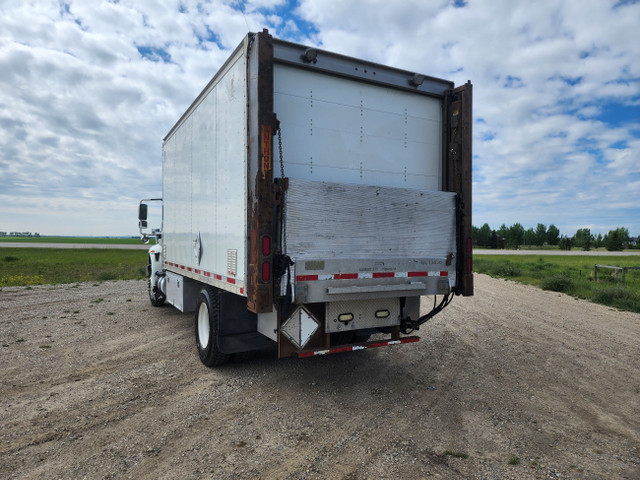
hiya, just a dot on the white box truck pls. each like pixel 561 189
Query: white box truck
pixel 309 200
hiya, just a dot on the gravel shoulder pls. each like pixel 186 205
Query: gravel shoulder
pixel 96 383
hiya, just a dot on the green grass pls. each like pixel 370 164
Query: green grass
pixel 451 453
pixel 39 266
pixel 87 240
pixel 572 275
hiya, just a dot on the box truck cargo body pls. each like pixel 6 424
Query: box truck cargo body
pixel 309 201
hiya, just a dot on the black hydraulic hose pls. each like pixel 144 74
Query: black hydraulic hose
pixel 408 326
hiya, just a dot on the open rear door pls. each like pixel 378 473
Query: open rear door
pixel 457 178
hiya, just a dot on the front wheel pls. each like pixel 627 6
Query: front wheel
pixel 207 321
pixel 156 297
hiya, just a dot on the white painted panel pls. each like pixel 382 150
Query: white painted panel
pixel 340 130
pixel 204 178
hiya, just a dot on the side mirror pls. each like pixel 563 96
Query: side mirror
pixel 142 213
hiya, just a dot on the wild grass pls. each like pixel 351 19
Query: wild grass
pixel 88 240
pixel 39 266
pixel 455 454
pixel 572 275
pixel 514 460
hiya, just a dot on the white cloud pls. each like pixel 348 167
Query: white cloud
pixel 541 74
pixel 88 90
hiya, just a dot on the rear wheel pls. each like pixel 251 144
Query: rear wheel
pixel 207 322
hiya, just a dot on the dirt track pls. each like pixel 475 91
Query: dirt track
pixel 98 384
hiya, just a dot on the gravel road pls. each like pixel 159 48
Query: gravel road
pixel 96 383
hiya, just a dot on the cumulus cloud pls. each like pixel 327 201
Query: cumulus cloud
pixel 542 74
pixel 88 90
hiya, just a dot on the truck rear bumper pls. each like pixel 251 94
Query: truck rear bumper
pixel 335 280
pixel 359 346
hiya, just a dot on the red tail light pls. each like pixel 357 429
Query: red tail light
pixel 266 245
pixel 266 271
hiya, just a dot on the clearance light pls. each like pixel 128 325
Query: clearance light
pixel 382 313
pixel 345 317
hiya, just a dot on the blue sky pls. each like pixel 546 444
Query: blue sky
pixel 89 89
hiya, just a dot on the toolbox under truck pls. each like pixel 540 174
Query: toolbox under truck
pixel 309 200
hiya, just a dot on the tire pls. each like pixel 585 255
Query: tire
pixel 206 322
pixel 157 298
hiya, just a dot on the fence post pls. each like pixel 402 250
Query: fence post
pixel 595 273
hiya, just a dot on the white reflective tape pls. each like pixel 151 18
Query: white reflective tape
pixel 402 274
pixel 325 277
pixel 393 342
pixel 359 347
pixel 365 275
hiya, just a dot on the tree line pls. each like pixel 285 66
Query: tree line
pixel 515 236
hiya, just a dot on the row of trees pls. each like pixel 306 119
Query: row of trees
pixel 614 240
pixel 516 235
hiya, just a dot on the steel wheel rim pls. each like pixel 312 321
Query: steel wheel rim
pixel 203 326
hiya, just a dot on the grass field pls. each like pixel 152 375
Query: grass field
pixel 569 274
pixel 572 275
pixel 88 240
pixel 39 266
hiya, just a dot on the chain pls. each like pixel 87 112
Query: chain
pixel 283 228
pixel 280 151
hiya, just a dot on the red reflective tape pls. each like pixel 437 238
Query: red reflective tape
pixel 444 274
pixel 204 273
pixel 418 274
pixel 410 340
pixel 306 278
pixel 384 275
pixel 354 348
pixel 341 349
pixel 345 276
